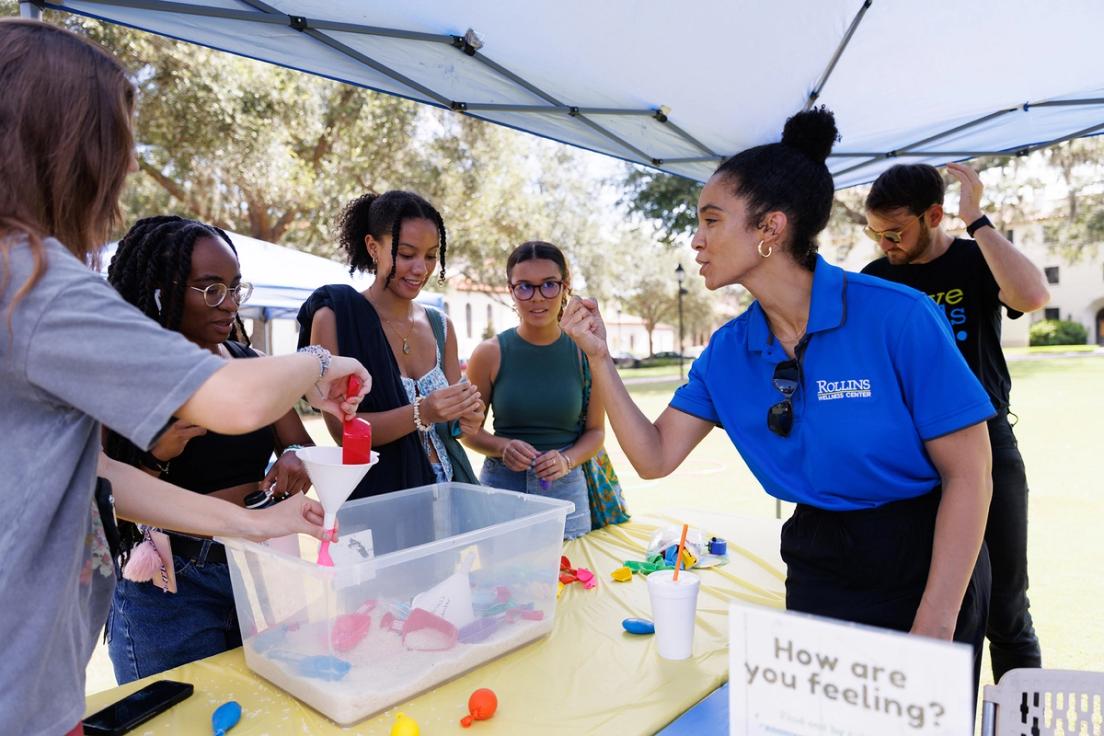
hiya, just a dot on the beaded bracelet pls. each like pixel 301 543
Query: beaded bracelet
pixel 323 356
pixel 418 416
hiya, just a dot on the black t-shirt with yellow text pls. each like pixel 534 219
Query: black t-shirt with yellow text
pixel 962 286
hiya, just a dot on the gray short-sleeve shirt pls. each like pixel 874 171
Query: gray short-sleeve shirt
pixel 76 356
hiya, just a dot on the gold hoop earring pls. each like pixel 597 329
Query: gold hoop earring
pixel 770 249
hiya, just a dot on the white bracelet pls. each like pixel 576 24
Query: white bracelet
pixel 323 356
pixel 418 416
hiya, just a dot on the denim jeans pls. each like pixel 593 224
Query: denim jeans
pixel 572 487
pixel 150 631
pixel 1011 633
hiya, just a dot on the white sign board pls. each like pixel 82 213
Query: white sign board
pixel 792 674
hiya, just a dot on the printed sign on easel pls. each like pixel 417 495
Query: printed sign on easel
pixel 791 674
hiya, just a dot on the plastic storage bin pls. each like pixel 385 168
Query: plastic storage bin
pixel 449 576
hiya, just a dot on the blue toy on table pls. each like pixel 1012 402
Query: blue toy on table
pixel 639 626
pixel 225 717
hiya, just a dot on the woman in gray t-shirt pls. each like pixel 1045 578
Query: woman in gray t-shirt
pixel 74 356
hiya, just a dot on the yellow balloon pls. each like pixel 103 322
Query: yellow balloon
pixel 404 726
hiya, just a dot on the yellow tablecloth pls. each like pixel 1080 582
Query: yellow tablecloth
pixel 588 676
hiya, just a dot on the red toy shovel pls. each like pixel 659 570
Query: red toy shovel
pixel 356 441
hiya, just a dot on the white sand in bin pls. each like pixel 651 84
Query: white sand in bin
pixel 384 672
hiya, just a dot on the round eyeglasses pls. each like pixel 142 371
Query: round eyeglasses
pixel 216 294
pixel 524 291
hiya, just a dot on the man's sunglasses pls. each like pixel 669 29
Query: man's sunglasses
pixel 524 291
pixel 893 236
pixel 787 379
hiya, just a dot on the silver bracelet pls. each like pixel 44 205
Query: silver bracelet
pixel 418 416
pixel 323 356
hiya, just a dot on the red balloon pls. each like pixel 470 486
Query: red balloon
pixel 481 705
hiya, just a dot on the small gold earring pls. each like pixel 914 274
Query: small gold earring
pixel 770 249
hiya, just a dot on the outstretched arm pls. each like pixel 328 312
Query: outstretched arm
pixel 654 449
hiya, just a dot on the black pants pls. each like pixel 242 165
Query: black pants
pixel 1012 639
pixel 871 567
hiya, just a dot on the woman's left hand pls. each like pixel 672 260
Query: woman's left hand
pixel 551 465
pixel 472 422
pixel 287 475
pixel 934 624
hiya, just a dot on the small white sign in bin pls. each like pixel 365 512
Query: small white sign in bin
pixel 799 675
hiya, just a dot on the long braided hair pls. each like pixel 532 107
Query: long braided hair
pixel 150 270
pixel 376 214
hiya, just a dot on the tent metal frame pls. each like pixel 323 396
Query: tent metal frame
pixel 471 46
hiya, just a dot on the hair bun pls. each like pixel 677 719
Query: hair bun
pixel 812 132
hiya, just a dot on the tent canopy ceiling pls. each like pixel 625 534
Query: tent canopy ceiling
pixel 679 86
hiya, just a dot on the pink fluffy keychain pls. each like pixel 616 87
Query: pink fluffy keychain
pixel 145 562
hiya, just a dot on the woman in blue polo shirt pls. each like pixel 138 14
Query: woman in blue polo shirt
pixel 844 394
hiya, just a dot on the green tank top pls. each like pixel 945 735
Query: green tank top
pixel 538 393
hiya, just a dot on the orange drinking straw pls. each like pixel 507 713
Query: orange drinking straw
pixel 682 548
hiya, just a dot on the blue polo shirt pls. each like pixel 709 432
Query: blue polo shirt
pixel 880 376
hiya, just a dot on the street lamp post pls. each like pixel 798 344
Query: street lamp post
pixel 680 276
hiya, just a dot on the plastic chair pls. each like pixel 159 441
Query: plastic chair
pixel 1038 702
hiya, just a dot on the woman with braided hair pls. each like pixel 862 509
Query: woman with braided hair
pixel 185 275
pixel 74 356
pixel 418 405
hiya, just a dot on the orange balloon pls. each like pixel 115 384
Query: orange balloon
pixel 481 705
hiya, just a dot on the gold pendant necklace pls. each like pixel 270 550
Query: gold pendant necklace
pixel 406 337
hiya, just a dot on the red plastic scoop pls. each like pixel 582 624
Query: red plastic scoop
pixel 356 441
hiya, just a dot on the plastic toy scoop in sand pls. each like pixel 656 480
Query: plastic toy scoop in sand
pixel 356 440
pixel 481 705
pixel 334 482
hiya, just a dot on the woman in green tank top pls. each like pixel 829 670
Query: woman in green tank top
pixel 533 376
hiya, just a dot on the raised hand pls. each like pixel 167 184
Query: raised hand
pixel 969 200
pixel 583 323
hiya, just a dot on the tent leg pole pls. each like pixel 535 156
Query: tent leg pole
pixel 29 10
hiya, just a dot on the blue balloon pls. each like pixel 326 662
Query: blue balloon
pixel 639 626
pixel 225 717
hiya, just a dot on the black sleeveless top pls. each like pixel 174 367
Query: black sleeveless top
pixel 215 461
pixel 402 463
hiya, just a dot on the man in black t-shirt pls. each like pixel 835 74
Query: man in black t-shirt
pixel 971 280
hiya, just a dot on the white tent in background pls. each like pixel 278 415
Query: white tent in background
pixel 678 86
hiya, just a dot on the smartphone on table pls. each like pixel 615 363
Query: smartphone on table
pixel 137 708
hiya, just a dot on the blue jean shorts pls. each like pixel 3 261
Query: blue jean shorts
pixel 572 487
pixel 150 631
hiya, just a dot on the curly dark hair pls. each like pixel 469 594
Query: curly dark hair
pixel 379 214
pixel 156 255
pixel 790 176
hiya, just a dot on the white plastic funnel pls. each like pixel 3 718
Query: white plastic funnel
pixel 333 481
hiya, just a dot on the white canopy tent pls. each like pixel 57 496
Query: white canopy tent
pixel 678 86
